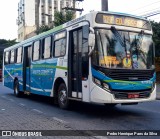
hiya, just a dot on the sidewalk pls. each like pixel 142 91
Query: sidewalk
pixel 158 91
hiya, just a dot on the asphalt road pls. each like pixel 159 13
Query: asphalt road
pixel 38 113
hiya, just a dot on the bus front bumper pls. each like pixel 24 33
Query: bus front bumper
pixel 100 95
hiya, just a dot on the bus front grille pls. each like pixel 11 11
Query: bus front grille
pixel 130 75
pixel 126 74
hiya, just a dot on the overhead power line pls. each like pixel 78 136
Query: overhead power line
pixel 145 6
pixel 151 14
pixel 146 12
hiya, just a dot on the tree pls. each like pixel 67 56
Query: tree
pixel 156 37
pixel 42 28
pixel 5 43
pixel 61 18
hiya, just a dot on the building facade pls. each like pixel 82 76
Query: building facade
pixel 34 13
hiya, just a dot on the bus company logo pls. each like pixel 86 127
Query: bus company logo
pixel 6 133
pixel 127 62
pixel 133 78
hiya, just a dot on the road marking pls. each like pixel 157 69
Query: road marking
pixel 21 104
pixel 2 109
pixel 95 135
pixel 3 96
pixel 59 120
pixel 11 100
pixel 100 137
pixel 38 111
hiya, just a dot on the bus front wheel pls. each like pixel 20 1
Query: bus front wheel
pixel 62 96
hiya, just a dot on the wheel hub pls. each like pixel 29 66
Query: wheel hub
pixel 63 96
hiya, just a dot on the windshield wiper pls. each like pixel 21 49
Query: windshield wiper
pixel 140 38
pixel 119 37
pixel 138 41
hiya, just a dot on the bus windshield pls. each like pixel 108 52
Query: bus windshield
pixel 123 49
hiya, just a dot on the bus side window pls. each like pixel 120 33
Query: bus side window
pixel 6 59
pixel 19 55
pixel 85 50
pixel 36 50
pixel 15 55
pixel 59 48
pixel 47 47
pixel 12 57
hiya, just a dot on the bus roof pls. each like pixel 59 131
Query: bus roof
pixel 66 24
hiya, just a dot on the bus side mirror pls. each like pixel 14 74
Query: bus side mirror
pixel 91 41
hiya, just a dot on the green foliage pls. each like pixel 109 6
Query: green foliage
pixel 5 43
pixel 61 18
pixel 156 37
pixel 42 28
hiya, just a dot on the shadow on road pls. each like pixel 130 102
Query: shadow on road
pixel 88 109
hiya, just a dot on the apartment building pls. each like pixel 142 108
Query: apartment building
pixel 34 13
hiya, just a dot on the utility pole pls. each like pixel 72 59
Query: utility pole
pixel 37 5
pixel 104 5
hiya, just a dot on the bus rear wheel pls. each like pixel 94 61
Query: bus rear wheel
pixel 17 93
pixel 62 96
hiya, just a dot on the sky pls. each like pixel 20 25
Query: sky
pixel 8 12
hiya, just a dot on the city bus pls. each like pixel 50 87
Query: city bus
pixel 101 57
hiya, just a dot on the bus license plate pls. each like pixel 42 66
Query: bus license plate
pixel 133 95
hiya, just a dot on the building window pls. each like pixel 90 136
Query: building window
pixel 50 2
pixel 43 2
pixel 36 50
pixel 55 5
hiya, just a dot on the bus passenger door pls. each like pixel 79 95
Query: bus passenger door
pixel 78 63
pixel 26 68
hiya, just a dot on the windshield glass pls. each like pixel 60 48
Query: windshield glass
pixel 122 49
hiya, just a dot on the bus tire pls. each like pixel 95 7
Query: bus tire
pixel 17 93
pixel 62 96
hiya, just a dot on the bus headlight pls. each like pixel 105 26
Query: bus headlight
pixel 105 86
pixel 98 82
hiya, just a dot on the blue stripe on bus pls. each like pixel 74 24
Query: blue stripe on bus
pixel 124 85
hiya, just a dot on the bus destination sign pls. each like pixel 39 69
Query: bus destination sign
pixel 123 21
